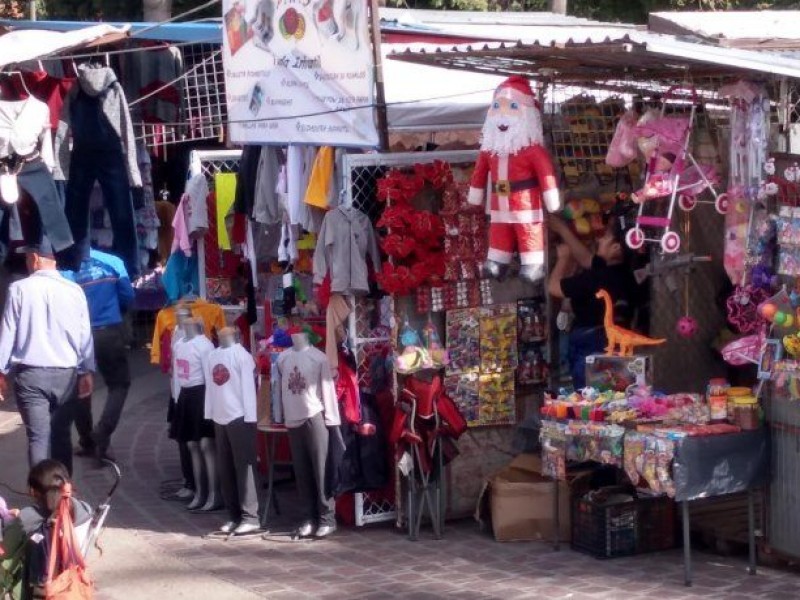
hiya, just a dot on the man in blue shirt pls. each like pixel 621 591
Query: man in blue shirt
pixel 109 293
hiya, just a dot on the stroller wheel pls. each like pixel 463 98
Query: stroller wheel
pixel 635 238
pixel 687 202
pixel 722 204
pixel 670 242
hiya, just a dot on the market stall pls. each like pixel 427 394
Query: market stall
pixel 709 148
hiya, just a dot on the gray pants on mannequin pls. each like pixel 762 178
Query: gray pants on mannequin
pixel 237 460
pixel 309 444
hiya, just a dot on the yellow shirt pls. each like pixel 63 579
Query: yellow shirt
pixel 212 315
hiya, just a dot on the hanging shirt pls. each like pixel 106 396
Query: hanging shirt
pixel 230 385
pixel 25 128
pixel 188 359
pixel 211 314
pixel 345 241
pixel 306 388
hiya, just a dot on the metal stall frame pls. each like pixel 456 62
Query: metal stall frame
pixel 357 170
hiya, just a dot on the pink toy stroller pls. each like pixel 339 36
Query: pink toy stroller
pixel 673 173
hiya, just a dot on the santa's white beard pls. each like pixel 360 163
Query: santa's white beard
pixel 522 132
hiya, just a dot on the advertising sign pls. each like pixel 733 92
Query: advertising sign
pixel 299 72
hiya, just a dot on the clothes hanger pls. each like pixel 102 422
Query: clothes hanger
pixel 21 79
pixel 189 296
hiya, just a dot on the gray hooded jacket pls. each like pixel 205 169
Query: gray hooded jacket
pixel 98 82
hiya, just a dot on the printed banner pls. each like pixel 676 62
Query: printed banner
pixel 299 72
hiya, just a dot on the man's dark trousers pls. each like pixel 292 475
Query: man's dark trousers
pixel 111 354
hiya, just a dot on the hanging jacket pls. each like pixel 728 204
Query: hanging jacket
pixel 267 206
pixel 96 113
pixel 345 241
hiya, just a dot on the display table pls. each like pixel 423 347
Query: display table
pixel 708 467
pixel 271 432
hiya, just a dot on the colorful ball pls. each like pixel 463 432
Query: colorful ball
pixel 780 318
pixel 768 311
pixel 687 327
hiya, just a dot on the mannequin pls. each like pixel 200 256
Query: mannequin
pixel 189 425
pixel 230 402
pixel 308 407
pixel 182 314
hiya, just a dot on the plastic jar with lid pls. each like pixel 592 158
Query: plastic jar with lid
pixel 746 412
pixel 733 393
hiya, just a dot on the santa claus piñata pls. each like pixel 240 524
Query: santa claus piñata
pixel 522 177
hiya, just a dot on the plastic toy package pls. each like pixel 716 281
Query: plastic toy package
pixel 498 338
pixel 497 399
pixel 463 340
pixel 463 389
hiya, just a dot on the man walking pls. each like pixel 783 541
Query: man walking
pixel 109 292
pixel 46 339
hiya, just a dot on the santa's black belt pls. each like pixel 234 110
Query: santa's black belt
pixel 509 187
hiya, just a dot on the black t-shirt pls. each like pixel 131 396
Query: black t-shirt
pixel 617 280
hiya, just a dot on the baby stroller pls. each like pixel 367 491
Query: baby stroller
pixel 23 562
pixel 672 172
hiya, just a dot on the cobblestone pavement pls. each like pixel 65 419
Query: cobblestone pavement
pixel 372 562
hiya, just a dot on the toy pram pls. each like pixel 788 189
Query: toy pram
pixel 21 560
pixel 673 173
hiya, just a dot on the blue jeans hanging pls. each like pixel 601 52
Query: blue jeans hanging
pixel 107 167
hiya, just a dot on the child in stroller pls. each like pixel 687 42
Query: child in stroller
pixel 25 533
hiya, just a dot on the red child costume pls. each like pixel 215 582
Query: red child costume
pixel 523 178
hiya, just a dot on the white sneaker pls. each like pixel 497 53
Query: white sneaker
pixel 228 527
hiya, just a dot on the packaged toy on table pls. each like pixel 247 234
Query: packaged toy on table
pixel 618 372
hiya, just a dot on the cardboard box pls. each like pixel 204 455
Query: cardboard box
pixel 519 502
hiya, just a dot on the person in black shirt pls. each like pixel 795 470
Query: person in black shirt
pixel 577 276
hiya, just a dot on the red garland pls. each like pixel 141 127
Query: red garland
pixel 414 238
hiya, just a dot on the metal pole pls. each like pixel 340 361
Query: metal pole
pixel 751 531
pixel 687 545
pixel 558 6
pixel 380 93
pixel 32 9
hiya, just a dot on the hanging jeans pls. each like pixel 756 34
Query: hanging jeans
pixel 106 166
pixel 48 216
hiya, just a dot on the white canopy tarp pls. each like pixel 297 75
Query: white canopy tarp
pixel 31 44
pixel 422 98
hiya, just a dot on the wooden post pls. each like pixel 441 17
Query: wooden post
pixel 380 93
pixel 558 6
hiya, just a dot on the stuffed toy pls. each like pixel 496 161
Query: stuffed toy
pixel 523 178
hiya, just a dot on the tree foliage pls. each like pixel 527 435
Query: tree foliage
pixel 631 11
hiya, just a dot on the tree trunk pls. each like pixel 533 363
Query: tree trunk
pixel 558 6
pixel 157 10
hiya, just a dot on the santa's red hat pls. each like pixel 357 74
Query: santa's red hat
pixel 517 88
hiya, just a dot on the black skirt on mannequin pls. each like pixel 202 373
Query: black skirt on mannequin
pixel 188 421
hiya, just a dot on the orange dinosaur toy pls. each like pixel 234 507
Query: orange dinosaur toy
pixel 619 337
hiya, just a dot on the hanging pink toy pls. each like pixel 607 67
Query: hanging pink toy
pixel 687 327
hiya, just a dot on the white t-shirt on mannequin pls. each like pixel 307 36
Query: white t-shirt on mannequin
pixel 188 360
pixel 306 387
pixel 230 385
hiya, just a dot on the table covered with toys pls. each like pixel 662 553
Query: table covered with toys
pixel 666 448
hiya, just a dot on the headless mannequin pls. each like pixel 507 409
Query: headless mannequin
pixel 300 341
pixel 183 314
pixel 309 437
pixel 241 464
pixel 228 337
pixel 204 465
